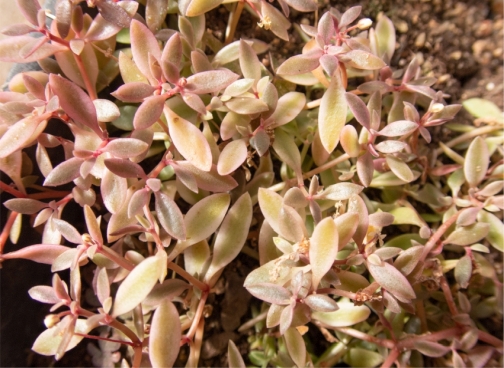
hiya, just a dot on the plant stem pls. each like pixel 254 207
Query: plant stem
pixel 197 317
pixel 7 188
pixel 49 194
pixel 438 234
pixel 6 230
pixel 103 339
pixel 85 77
pixel 186 275
pixel 364 336
pixel 489 339
pixel 469 135
pixel 278 187
pixel 392 357
pixel 114 257
pixel 448 296
pixel 250 323
pixel 234 17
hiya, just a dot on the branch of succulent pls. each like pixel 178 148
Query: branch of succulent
pixel 367 227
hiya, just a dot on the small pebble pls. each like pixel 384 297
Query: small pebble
pixel 420 40
pixel 401 26
pixel 490 86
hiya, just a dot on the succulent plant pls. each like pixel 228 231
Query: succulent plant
pixel 359 214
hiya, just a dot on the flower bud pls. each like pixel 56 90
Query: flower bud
pixel 51 320
pixel 437 107
pixel 364 24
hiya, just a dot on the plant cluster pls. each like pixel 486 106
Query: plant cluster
pixel 365 226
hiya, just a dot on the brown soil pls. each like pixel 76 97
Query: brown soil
pixel 460 43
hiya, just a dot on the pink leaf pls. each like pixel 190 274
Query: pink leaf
pixel 41 253
pixel 124 168
pixel 359 109
pixel 25 205
pixel 138 200
pixel 300 64
pixel 29 9
pixel 65 172
pixel 169 216
pixel 288 107
pixel 392 280
pixel 19 135
pixel 75 102
pixel 362 60
pixel 133 92
pixel 399 128
pixel 349 16
pixel 143 43
pixel 44 294
pixel 149 112
pixel 210 180
pixel 271 293
pixel 211 81
pixel 126 147
pixel 69 232
pixel 114 14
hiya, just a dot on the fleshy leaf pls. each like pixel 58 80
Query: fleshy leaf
pixel 65 172
pixel 476 161
pixel 48 342
pixel 323 249
pixel 137 285
pixel 332 113
pixel 205 216
pixel 210 180
pixel 149 112
pixel 165 335
pixel 321 303
pixel 468 235
pixel 169 216
pixel 392 280
pixel 126 147
pixel 235 359
pixel 41 253
pixel 295 346
pixel 463 271
pixel 232 235
pixel 271 293
pixel 143 43
pixel 348 314
pixel 232 157
pixel 431 349
pixel 211 81
pixel 76 103
pixel 113 190
pixel 288 107
pixel 190 141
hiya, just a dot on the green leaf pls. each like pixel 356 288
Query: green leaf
pixel 232 157
pixel 358 357
pixel 137 285
pixel 288 107
pixel 468 235
pixel 165 335
pixel 332 113
pixel 400 168
pixel 232 235
pixel 476 161
pixel 198 7
pixel 348 314
pixel 495 234
pixel 323 249
pixel 481 108
pixel 287 150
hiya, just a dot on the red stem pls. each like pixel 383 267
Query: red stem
pixel 7 188
pixel 197 317
pixel 104 339
pixel 438 234
pixel 392 357
pixel 6 230
pixel 85 77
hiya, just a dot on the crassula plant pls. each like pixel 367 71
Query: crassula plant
pixel 363 223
